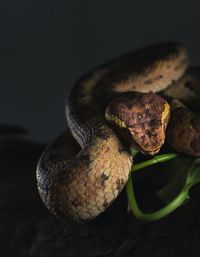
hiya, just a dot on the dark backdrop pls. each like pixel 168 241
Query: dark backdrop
pixel 46 45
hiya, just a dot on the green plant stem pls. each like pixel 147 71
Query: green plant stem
pixel 156 159
pixel 174 204
pixel 179 200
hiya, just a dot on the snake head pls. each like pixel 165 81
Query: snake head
pixel 141 118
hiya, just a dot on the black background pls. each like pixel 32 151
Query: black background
pixel 46 45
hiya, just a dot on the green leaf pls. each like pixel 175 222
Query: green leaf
pixel 183 172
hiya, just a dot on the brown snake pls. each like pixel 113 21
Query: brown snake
pixel 83 183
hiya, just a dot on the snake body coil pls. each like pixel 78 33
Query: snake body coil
pixel 83 183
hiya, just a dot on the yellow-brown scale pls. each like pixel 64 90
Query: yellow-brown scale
pixel 89 193
pixel 106 165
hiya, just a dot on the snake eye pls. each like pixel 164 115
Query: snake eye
pixel 141 118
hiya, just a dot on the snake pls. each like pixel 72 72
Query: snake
pixel 138 99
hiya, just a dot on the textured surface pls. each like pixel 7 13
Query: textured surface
pixel 90 192
pixel 187 88
pixel 183 131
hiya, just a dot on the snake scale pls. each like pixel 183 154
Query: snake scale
pixel 82 177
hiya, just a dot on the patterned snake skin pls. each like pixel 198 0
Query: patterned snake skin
pixel 82 178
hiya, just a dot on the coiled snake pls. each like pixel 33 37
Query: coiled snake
pixel 83 183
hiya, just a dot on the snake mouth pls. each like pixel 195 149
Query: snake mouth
pixel 150 149
pixel 151 152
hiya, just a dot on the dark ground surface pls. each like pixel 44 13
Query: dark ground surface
pixel 27 229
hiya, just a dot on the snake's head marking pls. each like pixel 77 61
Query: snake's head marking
pixel 143 116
